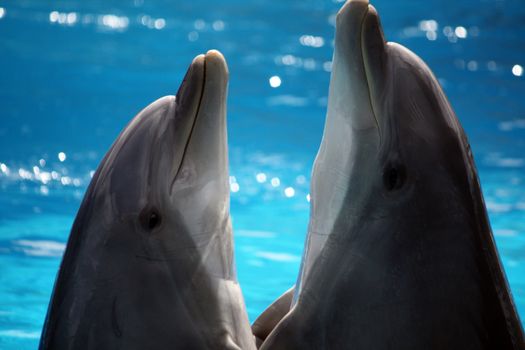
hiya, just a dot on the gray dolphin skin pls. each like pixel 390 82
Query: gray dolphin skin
pixel 399 252
pixel 266 322
pixel 149 262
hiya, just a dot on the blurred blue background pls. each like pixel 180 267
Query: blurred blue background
pixel 73 73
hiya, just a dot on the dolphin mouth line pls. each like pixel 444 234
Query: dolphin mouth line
pixel 186 145
pixel 366 66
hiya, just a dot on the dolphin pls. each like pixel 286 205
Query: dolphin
pixel 149 261
pixel 399 252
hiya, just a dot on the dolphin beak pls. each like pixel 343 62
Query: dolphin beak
pixel 201 189
pixel 200 117
pixel 205 152
pixel 349 89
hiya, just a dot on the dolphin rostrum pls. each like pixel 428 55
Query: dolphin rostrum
pixel 149 261
pixel 399 252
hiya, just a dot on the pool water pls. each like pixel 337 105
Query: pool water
pixel 73 73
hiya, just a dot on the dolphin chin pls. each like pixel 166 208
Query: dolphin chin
pixel 149 260
pixel 399 252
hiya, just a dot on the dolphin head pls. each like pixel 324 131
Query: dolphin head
pixel 149 262
pixel 168 170
pixel 389 135
pixel 389 127
pixel 419 158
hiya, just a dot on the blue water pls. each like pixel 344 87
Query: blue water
pixel 73 73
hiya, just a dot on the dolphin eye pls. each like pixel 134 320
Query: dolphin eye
pixel 150 219
pixel 394 177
